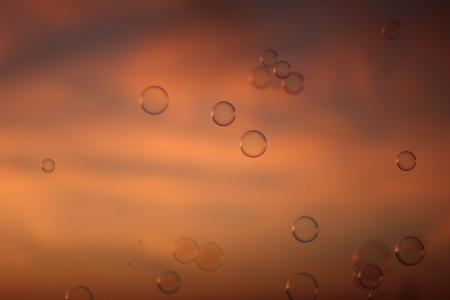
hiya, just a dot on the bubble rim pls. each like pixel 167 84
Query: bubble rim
pixel 308 275
pixel 169 272
pixel 305 240
pixel 294 73
pixel 396 23
pixel 222 257
pixel 361 282
pixel 43 165
pixel 397 250
pixel 264 138
pixel 196 246
pixel 275 69
pixel 220 103
pixel 261 58
pixel 397 160
pixel 141 100
pixel 69 292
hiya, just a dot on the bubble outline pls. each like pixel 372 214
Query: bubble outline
pixel 170 272
pixel 141 100
pixel 305 240
pixel 222 256
pixel 264 138
pixel 360 279
pixel 397 250
pixel 314 280
pixel 397 160
pixel 234 113
pixel 43 164
pixel 196 246
pixel 69 292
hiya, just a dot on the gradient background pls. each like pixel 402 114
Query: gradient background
pixel 70 77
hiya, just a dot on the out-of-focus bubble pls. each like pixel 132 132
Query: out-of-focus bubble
pixel 79 293
pixel 223 113
pixel 154 100
pixel 305 229
pixel 302 286
pixel 391 29
pixel 168 282
pixel 372 252
pixel 377 294
pixel 370 276
pixel 269 58
pixel 210 257
pixel 406 160
pixel 294 84
pixel 410 250
pixel 185 250
pixel 253 143
pixel 282 69
pixel 130 263
pixel 261 77
pixel 48 165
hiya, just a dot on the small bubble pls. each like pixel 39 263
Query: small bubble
pixel 130 263
pixel 261 77
pixel 406 161
pixel 410 250
pixel 302 286
pixel 294 83
pixel 168 282
pixel 282 69
pixel 269 58
pixel 372 252
pixel 370 276
pixel 253 143
pixel 210 257
pixel 154 100
pixel 79 293
pixel 185 250
pixel 48 165
pixel 305 229
pixel 223 113
pixel 391 29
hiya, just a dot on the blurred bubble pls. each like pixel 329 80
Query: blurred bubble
pixel 377 294
pixel 302 286
pixel 294 83
pixel 253 143
pixel 305 229
pixel 261 77
pixel 391 29
pixel 168 282
pixel 130 263
pixel 370 276
pixel 282 69
pixel 79 293
pixel 48 165
pixel 406 161
pixel 372 252
pixel 223 113
pixel 269 58
pixel 154 100
pixel 185 250
pixel 210 257
pixel 410 250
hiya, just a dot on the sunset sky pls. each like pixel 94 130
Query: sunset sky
pixel 71 73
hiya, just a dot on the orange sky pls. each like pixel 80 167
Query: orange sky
pixel 70 79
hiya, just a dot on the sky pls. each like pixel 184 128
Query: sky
pixel 128 184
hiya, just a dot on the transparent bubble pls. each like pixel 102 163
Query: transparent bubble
pixel 370 276
pixel 223 113
pixel 168 282
pixel 269 58
pixel 282 69
pixel 372 252
pixel 406 161
pixel 79 293
pixel 185 250
pixel 391 29
pixel 154 100
pixel 294 83
pixel 377 294
pixel 253 143
pixel 210 257
pixel 302 286
pixel 48 165
pixel 261 77
pixel 410 250
pixel 305 229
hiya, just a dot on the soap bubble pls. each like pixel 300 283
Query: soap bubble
pixel 48 165
pixel 261 77
pixel 210 257
pixel 410 250
pixel 305 229
pixel 302 286
pixel 370 276
pixel 269 58
pixel 168 282
pixel 294 83
pixel 282 69
pixel 253 143
pixel 391 29
pixel 406 161
pixel 79 293
pixel 154 100
pixel 185 250
pixel 223 113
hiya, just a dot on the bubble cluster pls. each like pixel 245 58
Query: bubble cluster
pixel 406 160
pixel 210 257
pixel 185 250
pixel 223 113
pixel 154 100
pixel 302 286
pixel 305 229
pixel 370 276
pixel 253 143
pixel 410 250
pixel 391 29
pixel 48 165
pixel 79 293
pixel 168 282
